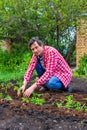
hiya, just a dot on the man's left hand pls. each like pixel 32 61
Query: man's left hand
pixel 29 91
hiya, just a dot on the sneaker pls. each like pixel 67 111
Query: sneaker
pixel 43 88
pixel 68 89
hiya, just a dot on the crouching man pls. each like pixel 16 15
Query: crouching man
pixel 51 67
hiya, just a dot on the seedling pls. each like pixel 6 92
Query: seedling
pixel 9 84
pixel 69 101
pixel 26 100
pixel 71 104
pixel 8 97
pixel 36 95
pixel 2 84
pixel 77 106
pixel 85 108
pixel 37 100
pixel 59 105
pixel 1 95
pixel 16 88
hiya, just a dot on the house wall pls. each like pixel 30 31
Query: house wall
pixel 81 40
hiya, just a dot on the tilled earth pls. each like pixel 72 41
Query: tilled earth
pixel 16 115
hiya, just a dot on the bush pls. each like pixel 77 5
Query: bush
pixel 82 69
pixel 16 60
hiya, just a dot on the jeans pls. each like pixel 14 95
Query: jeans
pixel 53 83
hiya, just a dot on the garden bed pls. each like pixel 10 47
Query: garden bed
pixel 54 114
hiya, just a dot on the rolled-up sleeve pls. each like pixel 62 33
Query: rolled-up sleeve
pixel 30 69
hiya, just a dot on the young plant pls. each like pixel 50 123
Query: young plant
pixel 16 88
pixel 8 97
pixel 1 95
pixel 26 100
pixel 85 108
pixel 36 95
pixel 77 106
pixel 59 105
pixel 69 101
pixel 37 100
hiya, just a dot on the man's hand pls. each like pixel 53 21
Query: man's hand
pixel 29 91
pixel 22 89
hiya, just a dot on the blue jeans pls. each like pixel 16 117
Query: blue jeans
pixel 53 83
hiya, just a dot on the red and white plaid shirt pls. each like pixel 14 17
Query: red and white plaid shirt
pixel 54 64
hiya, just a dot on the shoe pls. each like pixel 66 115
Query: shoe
pixel 43 88
pixel 68 89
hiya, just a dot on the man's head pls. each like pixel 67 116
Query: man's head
pixel 36 46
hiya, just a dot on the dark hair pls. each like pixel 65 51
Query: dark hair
pixel 33 40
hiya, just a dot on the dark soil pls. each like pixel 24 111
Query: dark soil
pixel 16 115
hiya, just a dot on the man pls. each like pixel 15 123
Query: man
pixel 52 69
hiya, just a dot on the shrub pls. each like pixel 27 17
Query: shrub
pixel 82 69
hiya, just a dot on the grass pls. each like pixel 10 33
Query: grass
pixel 7 76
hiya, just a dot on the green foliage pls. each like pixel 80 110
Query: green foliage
pixel 16 88
pixel 26 100
pixel 82 69
pixel 20 20
pixel 1 95
pixel 35 99
pixel 7 76
pixel 75 74
pixel 69 103
pixel 59 105
pixel 38 101
pixel 4 94
pixel 85 108
pixel 15 60
pixel 36 95
pixel 8 97
pixel 14 64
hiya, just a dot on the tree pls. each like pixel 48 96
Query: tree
pixel 48 19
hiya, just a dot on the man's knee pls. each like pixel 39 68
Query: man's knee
pixel 54 83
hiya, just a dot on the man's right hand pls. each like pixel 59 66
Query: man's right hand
pixel 22 89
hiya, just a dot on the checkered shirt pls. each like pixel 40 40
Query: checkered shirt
pixel 54 64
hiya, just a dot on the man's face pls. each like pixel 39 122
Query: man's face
pixel 37 49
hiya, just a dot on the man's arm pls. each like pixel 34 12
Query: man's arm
pixel 28 74
pixel 30 69
pixel 30 90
